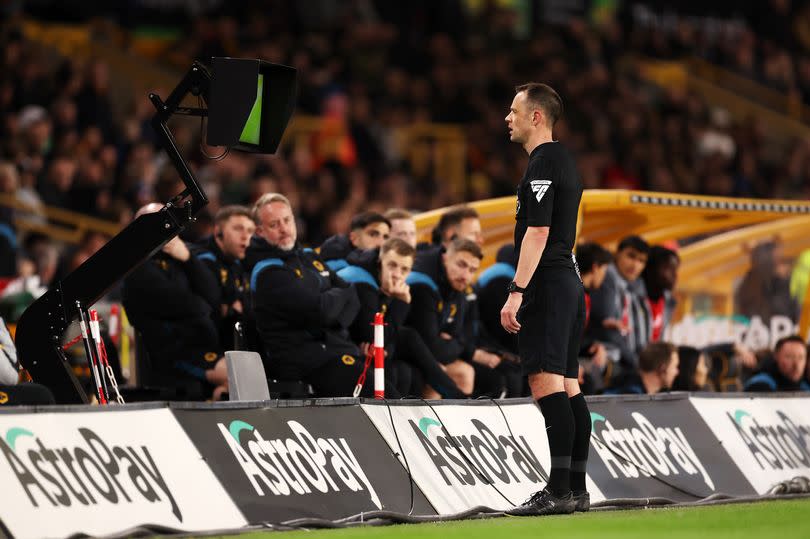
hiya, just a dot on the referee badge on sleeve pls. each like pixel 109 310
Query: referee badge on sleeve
pixel 539 187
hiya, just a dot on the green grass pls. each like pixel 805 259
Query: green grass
pixel 779 519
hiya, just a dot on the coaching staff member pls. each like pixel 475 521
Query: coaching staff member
pixel 303 310
pixel 546 303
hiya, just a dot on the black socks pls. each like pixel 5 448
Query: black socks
pixel 582 441
pixel 559 418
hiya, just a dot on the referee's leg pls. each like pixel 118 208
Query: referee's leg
pixel 579 408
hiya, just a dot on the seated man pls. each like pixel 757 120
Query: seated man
pixel 169 299
pixel 438 306
pixel 403 225
pixel 456 222
pixel 784 371
pixel 657 370
pixel 595 370
pixel 223 254
pixel 368 230
pixel 616 311
pixel 485 304
pixel 379 276
pixel 302 309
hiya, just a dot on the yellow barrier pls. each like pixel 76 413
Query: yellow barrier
pixel 710 267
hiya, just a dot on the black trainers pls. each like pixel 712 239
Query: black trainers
pixel 544 502
pixel 582 500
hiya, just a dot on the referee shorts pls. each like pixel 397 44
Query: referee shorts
pixel 552 319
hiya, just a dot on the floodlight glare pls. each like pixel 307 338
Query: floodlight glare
pixel 249 104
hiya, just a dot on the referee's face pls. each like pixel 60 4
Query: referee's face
pixel 519 119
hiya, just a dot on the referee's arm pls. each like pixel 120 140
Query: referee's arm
pixel 531 250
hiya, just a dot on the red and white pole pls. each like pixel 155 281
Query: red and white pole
pixel 379 356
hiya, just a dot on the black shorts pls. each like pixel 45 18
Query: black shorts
pixel 552 319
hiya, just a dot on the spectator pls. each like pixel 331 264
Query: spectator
pixel 615 317
pixel 302 309
pixel 223 254
pixel 402 225
pixel 693 371
pixel 368 230
pixel 593 261
pixel 169 299
pixel 659 278
pixel 438 306
pixel 657 370
pixel 763 292
pixel 784 371
pixel 379 275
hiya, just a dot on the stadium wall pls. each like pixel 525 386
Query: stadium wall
pixel 203 467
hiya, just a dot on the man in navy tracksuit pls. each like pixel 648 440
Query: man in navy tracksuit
pixel 368 230
pixel 223 253
pixel 302 309
pixel 439 285
pixel 379 277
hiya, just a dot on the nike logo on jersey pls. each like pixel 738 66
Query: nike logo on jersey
pixel 540 187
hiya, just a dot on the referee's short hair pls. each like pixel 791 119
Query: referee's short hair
pixel 634 242
pixel 467 246
pixel 544 97
pixel 655 356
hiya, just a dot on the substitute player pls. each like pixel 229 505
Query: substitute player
pixel 546 303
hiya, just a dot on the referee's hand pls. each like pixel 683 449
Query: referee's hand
pixel 509 313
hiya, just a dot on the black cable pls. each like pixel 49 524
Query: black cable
pixel 219 157
pixel 626 460
pixel 466 458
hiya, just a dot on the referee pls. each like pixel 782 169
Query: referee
pixel 548 298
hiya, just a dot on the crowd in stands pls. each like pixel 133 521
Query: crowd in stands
pixel 366 70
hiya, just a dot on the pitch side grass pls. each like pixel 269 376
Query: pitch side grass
pixel 780 519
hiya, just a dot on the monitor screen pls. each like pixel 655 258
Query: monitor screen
pixel 251 133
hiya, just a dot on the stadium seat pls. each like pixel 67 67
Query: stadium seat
pixel 246 378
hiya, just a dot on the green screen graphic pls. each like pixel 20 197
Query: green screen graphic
pixel 252 130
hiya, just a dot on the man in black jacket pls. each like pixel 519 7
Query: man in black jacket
pixel 302 309
pixel 169 299
pixel 784 371
pixel 438 306
pixel 223 254
pixel 379 276
pixel 368 230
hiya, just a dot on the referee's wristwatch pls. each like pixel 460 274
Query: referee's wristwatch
pixel 513 287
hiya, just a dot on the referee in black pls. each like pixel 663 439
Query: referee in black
pixel 546 303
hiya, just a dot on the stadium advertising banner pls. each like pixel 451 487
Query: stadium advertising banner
pixel 646 448
pixel 103 472
pixel 769 438
pixel 463 456
pixel 316 461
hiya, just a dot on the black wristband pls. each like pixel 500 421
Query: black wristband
pixel 513 287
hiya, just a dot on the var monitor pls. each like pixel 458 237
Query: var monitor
pixel 249 104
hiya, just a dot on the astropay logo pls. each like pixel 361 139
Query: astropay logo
pixel 299 465
pixel 774 445
pixel 92 473
pixel 480 456
pixel 645 450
